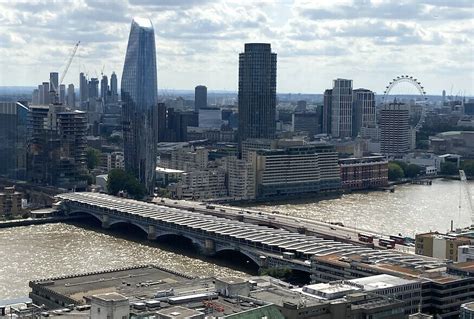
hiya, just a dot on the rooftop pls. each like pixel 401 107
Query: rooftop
pixel 380 282
pixel 143 22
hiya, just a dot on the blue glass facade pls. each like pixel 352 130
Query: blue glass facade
pixel 139 90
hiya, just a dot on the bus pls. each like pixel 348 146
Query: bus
pixel 366 238
pixel 388 243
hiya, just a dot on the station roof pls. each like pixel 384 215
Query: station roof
pixel 264 238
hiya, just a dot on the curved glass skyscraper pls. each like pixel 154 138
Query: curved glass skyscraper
pixel 139 92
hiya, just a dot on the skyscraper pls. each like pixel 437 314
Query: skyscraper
pixel 327 106
pixel 46 96
pixel 113 88
pixel 71 96
pixel 62 94
pixel 40 94
pixel 395 128
pixel 200 97
pixel 83 90
pixel 257 91
pixel 341 108
pixel 139 94
pixel 104 88
pixel 13 134
pixel 54 82
pixel 363 112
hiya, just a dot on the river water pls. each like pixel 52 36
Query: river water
pixel 42 251
pixel 409 210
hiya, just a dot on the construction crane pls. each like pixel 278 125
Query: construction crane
pixel 462 176
pixel 63 74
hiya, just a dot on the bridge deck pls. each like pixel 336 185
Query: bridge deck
pixel 232 231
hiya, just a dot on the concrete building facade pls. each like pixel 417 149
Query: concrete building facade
pixel 257 92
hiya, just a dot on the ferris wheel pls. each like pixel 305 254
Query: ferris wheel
pixel 419 90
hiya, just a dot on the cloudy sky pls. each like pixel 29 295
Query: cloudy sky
pixel 198 41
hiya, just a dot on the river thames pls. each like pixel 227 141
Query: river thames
pixel 42 251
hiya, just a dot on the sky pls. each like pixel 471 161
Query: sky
pixel 198 41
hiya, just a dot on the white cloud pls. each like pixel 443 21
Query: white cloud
pixel 198 41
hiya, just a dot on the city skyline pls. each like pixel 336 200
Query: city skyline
pixel 198 41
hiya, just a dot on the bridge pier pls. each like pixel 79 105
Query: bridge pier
pixel 105 221
pixel 209 248
pixel 152 235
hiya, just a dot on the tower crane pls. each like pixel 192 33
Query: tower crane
pixel 66 68
pixel 462 176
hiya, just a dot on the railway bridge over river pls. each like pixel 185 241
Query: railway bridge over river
pixel 265 246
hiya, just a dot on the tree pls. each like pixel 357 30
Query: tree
pixel 468 167
pixel 402 165
pixel 412 170
pixel 119 180
pixel 449 168
pixel 92 157
pixel 116 181
pixel 395 171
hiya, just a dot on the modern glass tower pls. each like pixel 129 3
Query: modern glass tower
pixel 257 91
pixel 139 91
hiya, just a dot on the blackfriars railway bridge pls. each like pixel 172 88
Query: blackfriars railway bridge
pixel 265 246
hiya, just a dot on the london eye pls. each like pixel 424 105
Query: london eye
pixel 414 89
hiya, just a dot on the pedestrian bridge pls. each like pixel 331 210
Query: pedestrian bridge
pixel 267 247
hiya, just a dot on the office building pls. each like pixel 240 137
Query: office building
pixel 257 92
pixel 13 134
pixel 394 129
pixel 297 170
pixel 363 112
pixel 441 246
pixel 113 88
pixel 200 97
pixel 139 90
pixel 71 96
pixel 301 106
pixel 54 82
pixel 56 150
pixel 306 122
pixel 104 88
pixel 83 91
pixel 364 173
pixel 327 111
pixel 341 108
pixel 210 118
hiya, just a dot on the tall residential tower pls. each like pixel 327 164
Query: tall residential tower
pixel 341 108
pixel 257 91
pixel 139 93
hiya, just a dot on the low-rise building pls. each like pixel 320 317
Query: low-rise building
pixel 109 161
pixel 109 306
pixel 441 246
pixel 458 142
pixel 200 184
pixel 465 253
pixel 364 173
pixel 240 178
pixel 467 310
pixel 10 202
